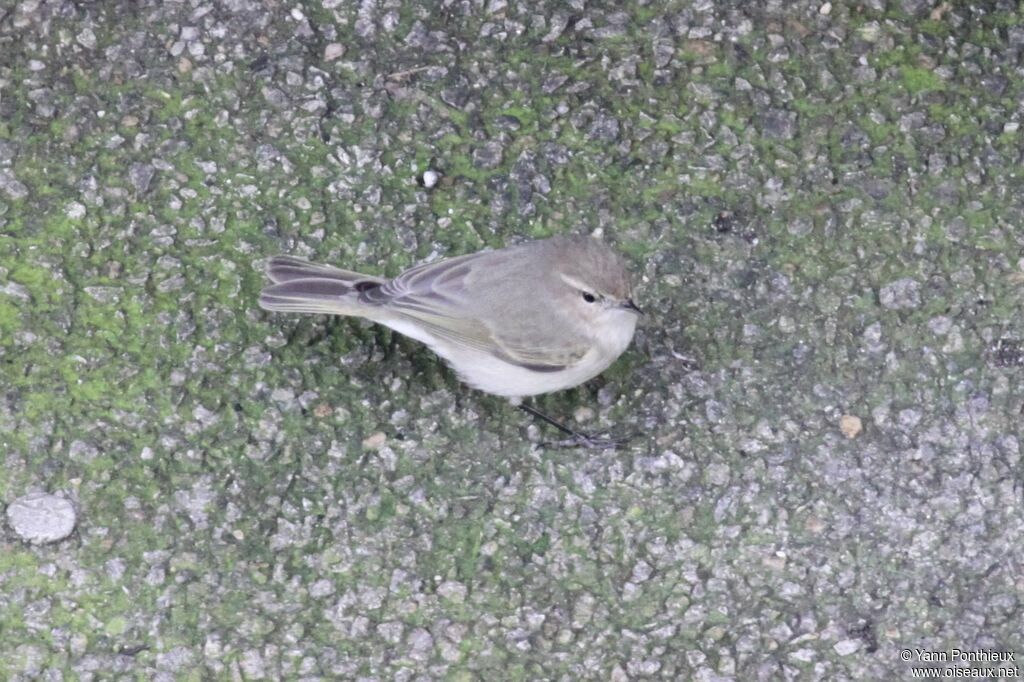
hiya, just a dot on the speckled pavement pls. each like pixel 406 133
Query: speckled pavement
pixel 824 208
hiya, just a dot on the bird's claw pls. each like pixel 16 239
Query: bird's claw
pixel 583 440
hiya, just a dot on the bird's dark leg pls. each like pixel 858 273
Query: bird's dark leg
pixel 576 439
pixel 544 418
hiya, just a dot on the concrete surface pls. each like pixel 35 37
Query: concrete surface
pixel 823 202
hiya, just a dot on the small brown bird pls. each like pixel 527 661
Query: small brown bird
pixel 525 320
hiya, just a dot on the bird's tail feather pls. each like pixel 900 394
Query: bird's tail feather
pixel 286 268
pixel 304 287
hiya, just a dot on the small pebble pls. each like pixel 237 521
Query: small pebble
pixel 375 441
pixel 583 414
pixel 850 425
pixel 74 210
pixel 846 647
pixel 333 51
pixel 903 294
pixel 41 517
pixel 430 178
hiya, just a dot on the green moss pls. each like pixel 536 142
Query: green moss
pixel 10 319
pixel 721 69
pixel 901 55
pixel 808 107
pixel 383 510
pixel 933 27
pixel 31 276
pixel 92 390
pixel 457 549
pixel 917 80
pixel 59 226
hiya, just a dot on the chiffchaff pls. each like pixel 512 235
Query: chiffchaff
pixel 529 319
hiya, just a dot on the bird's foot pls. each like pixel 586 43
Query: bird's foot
pixel 588 442
pixel 576 439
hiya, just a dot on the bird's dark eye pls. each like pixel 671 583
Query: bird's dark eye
pixel 589 297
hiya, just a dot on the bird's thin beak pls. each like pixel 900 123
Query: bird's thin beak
pixel 629 305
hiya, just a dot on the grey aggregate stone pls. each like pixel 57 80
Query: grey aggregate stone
pixel 604 128
pixel 901 294
pixel 8 151
pixel 780 124
pixel 141 175
pixel 488 155
pixel 11 186
pixel 15 290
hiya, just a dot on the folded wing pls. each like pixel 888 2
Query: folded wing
pixel 471 301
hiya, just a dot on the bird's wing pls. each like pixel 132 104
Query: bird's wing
pixel 427 282
pixel 466 301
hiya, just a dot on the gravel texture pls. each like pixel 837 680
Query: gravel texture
pixel 824 205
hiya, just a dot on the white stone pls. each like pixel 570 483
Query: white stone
pixel 846 647
pixel 41 517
